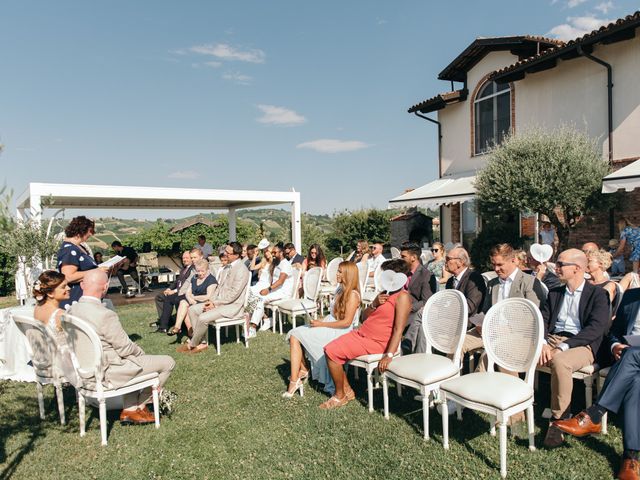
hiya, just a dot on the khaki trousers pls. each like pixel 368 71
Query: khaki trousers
pixel 562 367
pixel 161 364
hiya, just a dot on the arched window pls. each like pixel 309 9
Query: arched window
pixel 492 116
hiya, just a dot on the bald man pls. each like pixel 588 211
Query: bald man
pixel 123 359
pixel 576 317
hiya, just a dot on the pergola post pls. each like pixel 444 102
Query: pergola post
pixel 296 226
pixel 36 208
pixel 232 225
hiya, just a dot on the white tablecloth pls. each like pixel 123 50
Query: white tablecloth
pixel 14 352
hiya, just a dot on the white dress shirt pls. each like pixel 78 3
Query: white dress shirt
pixel 458 277
pixel 569 314
pixel 505 285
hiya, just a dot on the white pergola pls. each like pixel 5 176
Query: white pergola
pixel 39 196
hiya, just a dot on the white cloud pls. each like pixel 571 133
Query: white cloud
pixel 238 78
pixel 224 51
pixel 328 145
pixel 212 64
pixel 184 175
pixel 577 26
pixel 574 3
pixel 274 115
pixel 604 7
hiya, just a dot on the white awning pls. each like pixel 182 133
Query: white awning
pixel 626 178
pixel 444 191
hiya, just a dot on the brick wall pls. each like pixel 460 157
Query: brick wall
pixel 455 223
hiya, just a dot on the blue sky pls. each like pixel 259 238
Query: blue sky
pixel 258 95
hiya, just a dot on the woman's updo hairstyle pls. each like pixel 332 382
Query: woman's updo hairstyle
pixel 79 226
pixel 47 282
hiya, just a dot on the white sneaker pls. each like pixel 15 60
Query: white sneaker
pixel 266 324
pixel 252 332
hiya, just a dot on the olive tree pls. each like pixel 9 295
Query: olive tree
pixel 556 173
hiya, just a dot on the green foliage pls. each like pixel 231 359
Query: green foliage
pixel 312 234
pixel 497 229
pixel 6 263
pixel 349 227
pixel 546 172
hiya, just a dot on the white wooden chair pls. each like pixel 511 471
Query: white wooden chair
pixel 328 288
pixel 395 253
pixel 512 333
pixel 87 352
pixel 42 350
pixel 444 323
pixel 369 296
pixel 303 306
pixel 237 321
pixel 297 273
pixel 602 376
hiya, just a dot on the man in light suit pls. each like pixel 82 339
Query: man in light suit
pixel 123 360
pixel 467 281
pixel 420 285
pixel 509 283
pixel 227 300
pixel 621 390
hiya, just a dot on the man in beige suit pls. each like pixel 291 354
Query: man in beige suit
pixel 122 358
pixel 509 283
pixel 227 300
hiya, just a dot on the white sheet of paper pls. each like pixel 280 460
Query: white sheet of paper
pixel 111 262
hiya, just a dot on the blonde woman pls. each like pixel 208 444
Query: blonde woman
pixel 313 337
pixel 436 266
pixel 598 261
pixel 200 290
pixel 362 252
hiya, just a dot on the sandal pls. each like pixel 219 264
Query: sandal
pixel 173 331
pixel 350 395
pixel 303 375
pixel 334 402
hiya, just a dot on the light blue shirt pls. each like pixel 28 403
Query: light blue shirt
pixel 569 317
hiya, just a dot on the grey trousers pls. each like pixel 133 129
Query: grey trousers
pixel 414 334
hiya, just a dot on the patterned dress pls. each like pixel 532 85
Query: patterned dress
pixel 71 254
pixel 632 236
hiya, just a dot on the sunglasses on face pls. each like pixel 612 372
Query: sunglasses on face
pixel 434 250
pixel 565 264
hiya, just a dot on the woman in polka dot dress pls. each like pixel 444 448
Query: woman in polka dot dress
pixel 73 259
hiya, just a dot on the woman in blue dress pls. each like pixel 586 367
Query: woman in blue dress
pixel 73 260
pixel 629 235
pixel 318 333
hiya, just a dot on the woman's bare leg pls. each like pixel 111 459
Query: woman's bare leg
pixel 296 357
pixel 339 378
pixel 181 315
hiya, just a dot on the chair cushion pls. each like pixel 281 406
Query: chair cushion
pixel 373 357
pixel 496 389
pixel 296 305
pixel 423 368
pixel 604 371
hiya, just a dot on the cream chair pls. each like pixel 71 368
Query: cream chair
pixel 328 288
pixel 297 273
pixel 87 352
pixel 237 321
pixel 42 350
pixel 369 296
pixel 512 333
pixel 444 322
pixel 303 306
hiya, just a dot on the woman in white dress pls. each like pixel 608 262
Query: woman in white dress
pixel 264 267
pixel 313 337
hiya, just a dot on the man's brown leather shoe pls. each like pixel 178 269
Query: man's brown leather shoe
pixel 578 426
pixel 629 470
pixel 147 414
pixel 136 417
pixel 184 348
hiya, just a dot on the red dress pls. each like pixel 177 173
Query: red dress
pixel 372 337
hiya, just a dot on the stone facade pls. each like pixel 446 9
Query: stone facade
pixel 411 226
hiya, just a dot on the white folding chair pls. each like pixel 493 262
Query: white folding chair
pixel 237 321
pixel 512 334
pixel 368 297
pixel 328 288
pixel 297 273
pixel 303 306
pixel 444 323
pixel 42 350
pixel 87 354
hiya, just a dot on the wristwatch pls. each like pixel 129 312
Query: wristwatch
pixel 269 288
pixel 389 355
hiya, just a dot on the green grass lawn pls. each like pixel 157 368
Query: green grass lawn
pixel 231 422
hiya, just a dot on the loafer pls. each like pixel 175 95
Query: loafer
pixel 135 417
pixel 629 470
pixel 184 348
pixel 554 437
pixel 578 426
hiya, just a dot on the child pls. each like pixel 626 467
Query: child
pixel 617 267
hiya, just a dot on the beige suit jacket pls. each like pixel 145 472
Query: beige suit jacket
pixel 232 289
pixel 523 286
pixel 119 357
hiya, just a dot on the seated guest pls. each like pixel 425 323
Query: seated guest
pixel 252 253
pixel 315 258
pixel 290 254
pixel 73 258
pixel 436 266
pixel 576 317
pixel 589 247
pixel 421 285
pixel 205 248
pixel 262 268
pixel 376 258
pixel 467 281
pixel 510 282
pixel 318 333
pixel 200 289
pixel 543 272
pixel 281 287
pixel 227 300
pixel 98 258
pixel 598 261
pixel 123 360
pixel 630 280
pixel 521 261
pixel 128 266
pixel 621 389
pixel 361 254
pixel 224 261
pixel 381 333
pixel 172 296
pixel 617 266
